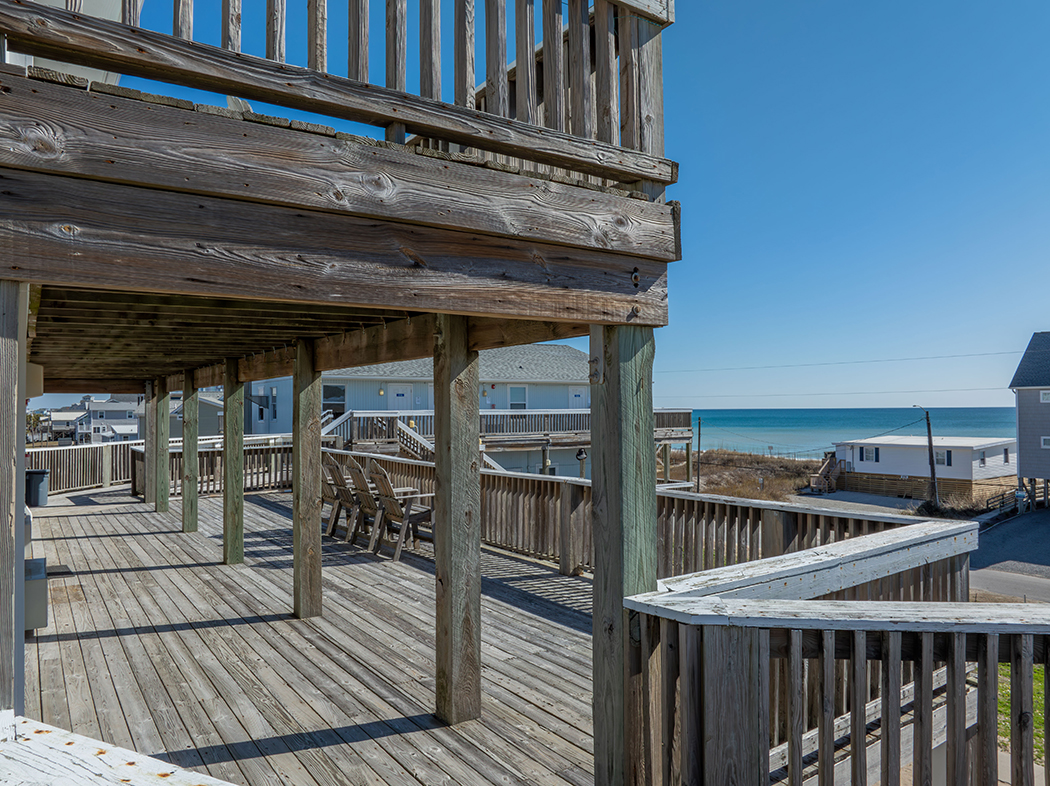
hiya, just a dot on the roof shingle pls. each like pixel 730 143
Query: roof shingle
pixel 1034 369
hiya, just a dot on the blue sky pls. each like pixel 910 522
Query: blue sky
pixel 860 182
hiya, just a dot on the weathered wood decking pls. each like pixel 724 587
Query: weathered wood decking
pixel 156 646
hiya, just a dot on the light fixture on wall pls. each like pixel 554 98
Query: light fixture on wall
pixel 382 392
pixel 484 394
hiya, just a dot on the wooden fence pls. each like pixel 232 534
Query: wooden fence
pixel 78 467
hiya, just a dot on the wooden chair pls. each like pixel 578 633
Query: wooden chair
pixel 345 499
pixel 398 515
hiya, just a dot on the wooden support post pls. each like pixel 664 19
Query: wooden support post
pixel 306 483
pixel 457 525
pixel 666 458
pixel 689 461
pixel 14 302
pixel 623 469
pixel 233 466
pixel 161 432
pixel 571 528
pixel 190 461
pixel 107 465
pixel 149 454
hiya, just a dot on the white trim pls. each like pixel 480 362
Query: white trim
pixel 1044 396
pixel 1046 443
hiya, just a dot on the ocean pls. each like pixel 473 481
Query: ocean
pixel 807 433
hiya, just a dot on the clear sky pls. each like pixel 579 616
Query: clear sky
pixel 860 182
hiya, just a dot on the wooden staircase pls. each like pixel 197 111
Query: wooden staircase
pixel 824 481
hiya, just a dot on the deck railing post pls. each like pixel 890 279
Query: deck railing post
pixel 624 514
pixel 14 302
pixel 457 526
pixel 306 483
pixel 162 429
pixel 233 466
pixel 149 453
pixel 190 460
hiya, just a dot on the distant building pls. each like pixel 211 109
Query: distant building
pixel 900 466
pixel 209 415
pixel 1031 386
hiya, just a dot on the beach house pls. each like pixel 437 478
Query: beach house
pixel 1031 386
pixel 899 466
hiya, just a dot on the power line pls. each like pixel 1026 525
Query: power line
pixel 839 363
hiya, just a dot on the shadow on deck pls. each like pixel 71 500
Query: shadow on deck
pixel 156 646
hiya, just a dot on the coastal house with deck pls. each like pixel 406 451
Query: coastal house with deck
pixel 1031 387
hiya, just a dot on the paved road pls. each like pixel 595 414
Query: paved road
pixel 855 502
pixel 1014 558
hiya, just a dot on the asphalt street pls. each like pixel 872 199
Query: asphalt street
pixel 1013 558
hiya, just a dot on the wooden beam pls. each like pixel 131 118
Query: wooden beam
pixel 233 466
pixel 149 453
pixel 306 483
pixel 14 299
pixel 623 472
pixel 121 140
pixel 190 468
pixel 51 32
pixel 661 11
pixel 162 426
pixel 457 525
pixel 84 233
pixel 87 385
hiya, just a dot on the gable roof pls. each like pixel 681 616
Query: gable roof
pixel 961 443
pixel 528 363
pixel 1034 369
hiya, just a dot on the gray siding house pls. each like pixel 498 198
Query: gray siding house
pixel 1031 386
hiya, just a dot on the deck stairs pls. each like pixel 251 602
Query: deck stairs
pixel 415 445
pixel 824 481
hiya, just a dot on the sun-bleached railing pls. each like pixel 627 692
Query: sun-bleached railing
pixel 763 674
pixel 78 467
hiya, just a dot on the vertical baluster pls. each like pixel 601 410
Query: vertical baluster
pixel 553 66
pixel 796 703
pixel 858 684
pixel 464 54
pixel 605 77
pixel 1022 717
pixel 276 11
pixel 357 41
pixel 429 52
pixel 826 722
pixel 525 54
pixel 182 24
pixel 957 772
pixel 317 45
pixel 922 753
pixel 580 68
pixel 129 12
pixel 497 93
pixel 396 58
pixel 891 708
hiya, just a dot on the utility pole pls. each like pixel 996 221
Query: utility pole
pixel 932 494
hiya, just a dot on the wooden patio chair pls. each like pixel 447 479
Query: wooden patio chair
pixel 398 515
pixel 345 497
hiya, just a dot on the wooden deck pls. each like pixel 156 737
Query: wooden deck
pixel 156 646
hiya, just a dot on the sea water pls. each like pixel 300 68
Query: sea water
pixel 806 433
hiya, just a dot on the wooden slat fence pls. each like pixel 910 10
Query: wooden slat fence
pixel 78 467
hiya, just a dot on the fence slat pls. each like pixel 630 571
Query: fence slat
pixel 1022 716
pixel 357 43
pixel 891 708
pixel 956 741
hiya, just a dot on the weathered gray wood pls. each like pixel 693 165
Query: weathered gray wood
pixel 231 24
pixel 190 466
pixel 357 41
pixel 580 68
pixel 497 91
pixel 233 466
pixel 149 448
pixel 276 13
pixel 14 298
pixel 660 11
pixel 826 721
pixel 129 12
pixel 306 483
pixel 796 708
pixel 182 24
pixel 123 140
pixel 553 66
pixel 623 466
pixel 922 750
pixel 891 710
pixel 396 58
pixel 348 257
pixel 98 43
pixel 956 710
pixel 1022 714
pixel 430 48
pixel 858 679
pixel 464 53
pixel 605 70
pixel 525 82
pixel 162 427
pixel 457 525
pixel 317 31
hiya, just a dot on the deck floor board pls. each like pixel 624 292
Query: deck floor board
pixel 156 646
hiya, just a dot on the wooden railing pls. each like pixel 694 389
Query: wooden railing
pixel 77 467
pixel 760 675
pixel 597 110
pixel 549 517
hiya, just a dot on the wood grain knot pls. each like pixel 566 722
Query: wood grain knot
pixel 42 142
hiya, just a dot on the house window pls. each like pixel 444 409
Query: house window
pixel 131 415
pixel 262 414
pixel 518 396
pixel 1044 396
pixel 1046 443
pixel 982 460
pixel 334 399
pixel 101 415
pixel 1006 455
pixel 869 454
pixel 942 458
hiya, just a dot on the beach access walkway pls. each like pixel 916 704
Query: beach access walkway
pixel 154 645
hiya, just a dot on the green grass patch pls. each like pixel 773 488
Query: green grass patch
pixel 1038 690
